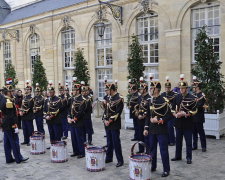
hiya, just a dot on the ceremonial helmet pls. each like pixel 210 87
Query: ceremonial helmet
pixel 196 82
pixel 154 84
pixel 67 87
pixel 61 87
pixel 132 84
pixel 168 83
pixel 143 84
pixel 76 85
pixel 106 83
pixel 112 86
pixel 182 83
pixel 27 86
pixel 84 86
pixel 50 84
pixel 37 88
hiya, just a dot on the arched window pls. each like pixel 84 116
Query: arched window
pixel 68 46
pixel 34 49
pixel 206 15
pixel 68 50
pixel 147 31
pixel 7 53
pixel 104 60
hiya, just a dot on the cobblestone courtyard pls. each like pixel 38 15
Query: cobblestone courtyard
pixel 206 166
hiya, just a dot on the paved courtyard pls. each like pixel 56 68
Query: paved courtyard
pixel 206 166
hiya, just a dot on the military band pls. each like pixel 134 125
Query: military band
pixel 154 117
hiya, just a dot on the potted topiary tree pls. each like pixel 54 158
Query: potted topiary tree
pixel 135 70
pixel 207 70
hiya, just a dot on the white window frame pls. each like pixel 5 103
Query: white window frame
pixel 7 56
pixel 150 42
pixel 105 45
pixel 69 42
pixel 193 29
pixel 34 49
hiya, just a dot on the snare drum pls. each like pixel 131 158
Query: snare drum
pixel 139 165
pixel 59 152
pixel 37 141
pixel 95 158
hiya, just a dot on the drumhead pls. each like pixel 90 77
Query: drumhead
pixel 141 157
pixel 95 149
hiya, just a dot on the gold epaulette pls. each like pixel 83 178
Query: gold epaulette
pixel 9 104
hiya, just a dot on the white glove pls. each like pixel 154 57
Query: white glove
pixel 17 131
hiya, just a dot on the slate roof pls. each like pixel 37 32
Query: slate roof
pixel 4 5
pixel 38 8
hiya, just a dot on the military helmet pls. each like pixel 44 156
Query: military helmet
pixel 27 86
pixel 182 83
pixel 168 83
pixel 143 84
pixel 37 88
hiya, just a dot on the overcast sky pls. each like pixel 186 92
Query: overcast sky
pixel 16 3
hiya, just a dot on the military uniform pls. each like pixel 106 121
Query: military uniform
pixel 9 125
pixel 64 112
pixel 18 102
pixel 27 117
pixel 38 111
pixel 77 124
pixel 198 121
pixel 158 131
pixel 133 101
pixel 114 110
pixel 170 123
pixel 184 104
pixel 52 111
pixel 87 119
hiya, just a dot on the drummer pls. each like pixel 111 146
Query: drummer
pixel 11 139
pixel 156 126
pixel 184 107
pixel 76 120
pixel 113 125
pixel 52 115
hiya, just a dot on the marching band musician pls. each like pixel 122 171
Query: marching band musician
pixel 11 139
pixel 52 109
pixel 141 112
pixel 184 107
pixel 87 116
pixel 156 126
pixel 76 121
pixel 170 95
pixel 199 117
pixel 27 114
pixel 38 109
pixel 133 101
pixel 112 121
pixel 105 101
pixel 63 111
pixel 18 102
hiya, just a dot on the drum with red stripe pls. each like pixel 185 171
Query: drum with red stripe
pixel 37 141
pixel 95 158
pixel 59 152
pixel 139 165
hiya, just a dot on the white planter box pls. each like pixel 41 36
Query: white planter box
pixel 215 124
pixel 128 120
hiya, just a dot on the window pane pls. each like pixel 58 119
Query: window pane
pixel 148 37
pixel 208 16
pixel 101 73
pixel 68 44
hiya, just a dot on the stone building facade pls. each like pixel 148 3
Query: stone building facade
pixel 54 29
